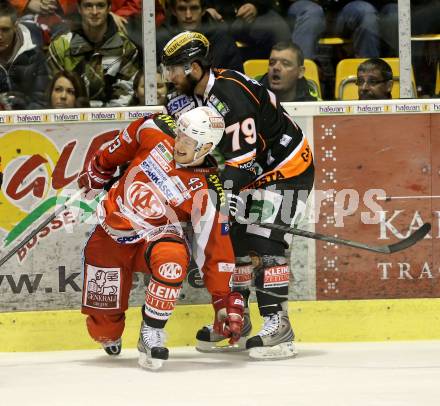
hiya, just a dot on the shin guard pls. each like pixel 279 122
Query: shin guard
pixel 168 262
pixel 271 283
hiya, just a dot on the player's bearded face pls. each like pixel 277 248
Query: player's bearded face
pixel 182 78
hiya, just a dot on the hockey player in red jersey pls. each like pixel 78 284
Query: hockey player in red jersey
pixel 168 181
pixel 268 158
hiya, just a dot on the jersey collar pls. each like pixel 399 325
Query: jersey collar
pixel 209 85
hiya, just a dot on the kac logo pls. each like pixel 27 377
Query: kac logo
pixel 144 201
pixel 170 270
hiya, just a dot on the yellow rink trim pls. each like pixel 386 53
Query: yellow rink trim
pixel 322 321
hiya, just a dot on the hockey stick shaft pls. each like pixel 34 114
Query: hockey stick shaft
pixel 383 249
pixel 35 231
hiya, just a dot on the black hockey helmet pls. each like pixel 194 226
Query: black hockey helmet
pixel 187 47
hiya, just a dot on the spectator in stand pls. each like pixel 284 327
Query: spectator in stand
pixel 354 19
pixel 66 91
pixel 307 21
pixel 52 16
pixel 128 17
pixel 374 80
pixel 23 68
pixel 138 98
pixel 45 18
pixel 104 57
pixel 255 23
pixel 191 15
pixel 286 74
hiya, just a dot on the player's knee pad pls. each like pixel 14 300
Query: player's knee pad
pixel 105 327
pixel 271 282
pixel 168 262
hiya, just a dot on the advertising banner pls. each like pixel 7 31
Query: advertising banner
pixel 377 180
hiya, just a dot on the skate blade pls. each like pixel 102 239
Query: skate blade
pixel 146 362
pixel 221 346
pixel 280 351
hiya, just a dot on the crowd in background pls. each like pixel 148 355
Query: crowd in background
pixel 88 53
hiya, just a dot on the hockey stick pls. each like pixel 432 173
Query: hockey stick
pixel 382 249
pixel 34 232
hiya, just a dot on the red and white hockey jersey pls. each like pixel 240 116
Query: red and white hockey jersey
pixel 156 195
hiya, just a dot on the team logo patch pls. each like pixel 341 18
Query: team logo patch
pixel 285 140
pixel 170 270
pixel 102 287
pixel 225 229
pixel 276 276
pixel 226 267
pixel 144 201
pixel 218 105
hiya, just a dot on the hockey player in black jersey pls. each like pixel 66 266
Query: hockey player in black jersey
pixel 268 159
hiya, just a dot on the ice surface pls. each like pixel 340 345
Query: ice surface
pixel 324 374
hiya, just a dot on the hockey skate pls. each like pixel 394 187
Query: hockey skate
pixel 112 348
pixel 209 341
pixel 152 352
pixel 275 340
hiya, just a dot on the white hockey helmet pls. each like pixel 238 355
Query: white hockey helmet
pixel 202 124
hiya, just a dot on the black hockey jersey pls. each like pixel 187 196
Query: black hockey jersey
pixel 261 144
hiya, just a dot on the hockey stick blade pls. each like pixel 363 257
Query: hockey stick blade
pixel 382 249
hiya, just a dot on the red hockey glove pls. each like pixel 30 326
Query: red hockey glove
pixel 93 177
pixel 229 316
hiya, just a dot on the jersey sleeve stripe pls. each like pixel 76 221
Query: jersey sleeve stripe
pixel 293 164
pixel 202 232
pixel 241 159
pixel 262 141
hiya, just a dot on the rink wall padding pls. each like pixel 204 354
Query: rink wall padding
pixel 358 148
pixel 313 321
